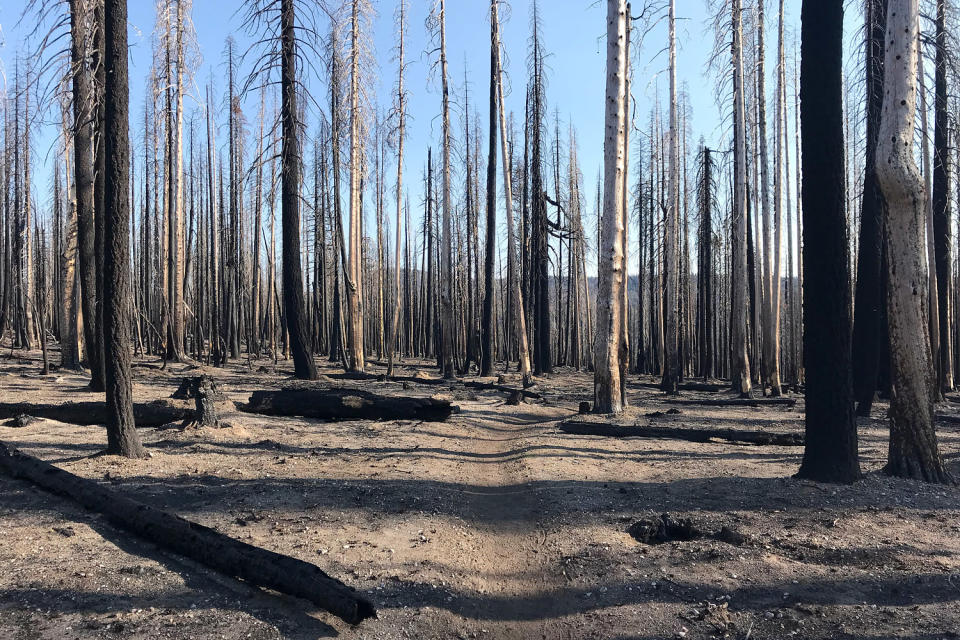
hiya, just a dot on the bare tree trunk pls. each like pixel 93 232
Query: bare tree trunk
pixel 830 453
pixel 294 310
pixel 513 276
pixel 355 342
pixel 446 290
pixel 739 356
pixel 487 329
pixel 122 437
pixel 933 318
pixel 941 204
pixel 401 115
pixel 913 442
pixel 671 362
pixel 607 385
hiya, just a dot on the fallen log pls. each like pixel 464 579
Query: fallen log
pixel 734 402
pixel 238 559
pixel 736 436
pixel 415 379
pixel 345 404
pixel 145 414
pixel 709 387
pixel 475 384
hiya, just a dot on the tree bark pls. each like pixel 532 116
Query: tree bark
pixel 345 404
pixel 607 383
pixel 294 310
pixel 671 361
pixel 739 336
pixel 913 449
pixel 486 348
pixel 257 566
pixel 122 438
pixel 830 454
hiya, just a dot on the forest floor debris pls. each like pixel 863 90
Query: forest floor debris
pixel 492 524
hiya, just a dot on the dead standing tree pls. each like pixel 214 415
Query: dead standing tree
pixel 913 441
pixel 278 19
pixel 830 454
pixel 608 383
pixel 122 437
pixel 400 110
pixel 436 24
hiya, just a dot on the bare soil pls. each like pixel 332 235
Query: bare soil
pixel 490 525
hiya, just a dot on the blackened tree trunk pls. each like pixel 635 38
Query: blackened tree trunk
pixel 869 298
pixel 293 305
pixel 122 435
pixel 705 268
pixel 98 380
pixel 830 453
pixel 941 203
pixel 486 348
pixel 83 176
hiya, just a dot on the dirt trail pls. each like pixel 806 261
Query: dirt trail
pixel 490 525
pixel 522 563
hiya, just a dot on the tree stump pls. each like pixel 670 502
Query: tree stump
pixel 205 392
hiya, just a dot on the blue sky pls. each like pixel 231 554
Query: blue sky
pixel 573 35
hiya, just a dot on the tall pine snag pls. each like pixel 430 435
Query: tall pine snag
pixel 293 305
pixel 122 438
pixel 941 202
pixel 830 454
pixel 869 297
pixel 83 104
pixel 607 381
pixel 671 356
pixel 913 449
pixel 489 289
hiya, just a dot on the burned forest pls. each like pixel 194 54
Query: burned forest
pixel 386 319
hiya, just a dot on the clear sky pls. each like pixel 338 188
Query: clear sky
pixel 573 36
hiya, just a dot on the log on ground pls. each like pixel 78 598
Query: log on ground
pixel 709 387
pixel 345 404
pixel 734 402
pixel 238 559
pixel 145 414
pixel 736 436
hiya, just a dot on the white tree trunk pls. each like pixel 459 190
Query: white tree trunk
pixel 913 444
pixel 607 382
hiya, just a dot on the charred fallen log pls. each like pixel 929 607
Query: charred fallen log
pixel 145 414
pixel 238 559
pixel 736 436
pixel 345 404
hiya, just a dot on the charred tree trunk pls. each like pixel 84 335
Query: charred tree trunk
pixel 830 454
pixel 122 438
pixel 293 305
pixel 868 349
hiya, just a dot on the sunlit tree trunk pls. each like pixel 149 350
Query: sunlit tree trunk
pixel 607 385
pixel 913 442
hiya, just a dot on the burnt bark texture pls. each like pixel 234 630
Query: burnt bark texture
pixel 293 304
pixel 122 438
pixel 830 452
pixel 869 298
pixel 345 404
pixel 259 567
